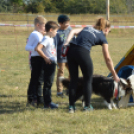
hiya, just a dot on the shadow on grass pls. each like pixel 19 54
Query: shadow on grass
pixel 12 104
pixel 11 107
pixel 97 103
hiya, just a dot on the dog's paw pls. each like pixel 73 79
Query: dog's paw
pixel 109 107
pixel 114 106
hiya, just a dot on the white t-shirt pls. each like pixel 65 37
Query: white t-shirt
pixel 49 48
pixel 33 40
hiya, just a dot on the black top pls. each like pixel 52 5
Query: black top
pixel 89 37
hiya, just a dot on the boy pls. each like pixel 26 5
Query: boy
pixel 47 49
pixel 61 36
pixel 34 92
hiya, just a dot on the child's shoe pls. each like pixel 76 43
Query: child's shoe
pixel 51 105
pixel 34 103
pixel 60 95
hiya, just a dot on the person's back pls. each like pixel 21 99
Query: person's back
pixel 89 37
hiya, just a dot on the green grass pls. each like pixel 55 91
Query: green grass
pixel 16 118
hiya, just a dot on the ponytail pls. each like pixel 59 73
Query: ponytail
pixel 101 24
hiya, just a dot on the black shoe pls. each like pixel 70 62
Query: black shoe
pixel 34 103
pixel 51 106
pixel 40 101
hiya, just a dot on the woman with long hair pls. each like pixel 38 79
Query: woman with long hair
pixel 79 56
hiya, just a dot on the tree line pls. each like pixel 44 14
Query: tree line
pixel 66 6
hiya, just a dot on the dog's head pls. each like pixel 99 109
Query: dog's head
pixel 123 88
pixel 130 80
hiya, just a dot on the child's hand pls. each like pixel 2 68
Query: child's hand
pixel 47 60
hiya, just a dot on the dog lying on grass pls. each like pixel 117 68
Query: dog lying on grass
pixel 102 86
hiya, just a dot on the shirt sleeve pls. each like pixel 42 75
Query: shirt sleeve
pixel 45 42
pixel 103 40
pixel 33 38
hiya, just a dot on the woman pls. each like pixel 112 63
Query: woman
pixel 79 55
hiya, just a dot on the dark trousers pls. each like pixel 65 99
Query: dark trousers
pixel 37 73
pixel 80 57
pixel 49 71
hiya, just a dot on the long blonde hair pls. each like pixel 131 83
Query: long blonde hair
pixel 101 24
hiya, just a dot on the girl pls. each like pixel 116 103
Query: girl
pixel 79 55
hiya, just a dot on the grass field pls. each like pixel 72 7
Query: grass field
pixel 16 118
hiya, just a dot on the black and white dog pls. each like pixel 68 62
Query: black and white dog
pixel 123 103
pixel 102 86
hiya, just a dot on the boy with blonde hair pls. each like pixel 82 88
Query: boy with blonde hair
pixel 33 93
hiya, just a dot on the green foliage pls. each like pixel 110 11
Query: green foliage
pixel 69 6
pixel 16 2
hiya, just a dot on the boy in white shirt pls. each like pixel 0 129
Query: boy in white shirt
pixel 34 93
pixel 47 49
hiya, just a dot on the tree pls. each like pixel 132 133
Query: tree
pixel 16 2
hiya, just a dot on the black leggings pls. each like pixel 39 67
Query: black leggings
pixel 79 56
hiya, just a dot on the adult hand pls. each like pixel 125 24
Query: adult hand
pixel 116 78
pixel 47 60
pixel 66 43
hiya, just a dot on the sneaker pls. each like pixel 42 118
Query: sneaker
pixel 32 103
pixel 88 109
pixel 72 109
pixel 51 105
pixel 60 95
pixel 40 101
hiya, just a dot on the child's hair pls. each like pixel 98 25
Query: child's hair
pixel 51 24
pixel 39 19
pixel 101 24
pixel 63 18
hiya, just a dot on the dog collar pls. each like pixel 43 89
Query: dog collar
pixel 116 93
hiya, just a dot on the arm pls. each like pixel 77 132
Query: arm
pixel 71 35
pixel 30 44
pixel 39 50
pixel 109 62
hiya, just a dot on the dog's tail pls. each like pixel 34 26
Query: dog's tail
pixel 65 82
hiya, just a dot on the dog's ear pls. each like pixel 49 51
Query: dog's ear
pixel 129 83
pixel 124 83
